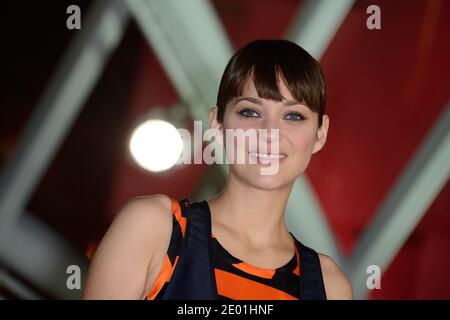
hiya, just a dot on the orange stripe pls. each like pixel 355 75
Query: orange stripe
pixel 266 273
pixel 176 209
pixel 297 268
pixel 239 288
pixel 259 272
pixel 166 270
pixel 164 276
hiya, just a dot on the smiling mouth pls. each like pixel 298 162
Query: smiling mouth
pixel 267 158
pixel 268 155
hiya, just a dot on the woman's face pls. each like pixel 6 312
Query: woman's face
pixel 298 136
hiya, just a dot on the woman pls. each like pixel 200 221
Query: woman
pixel 235 245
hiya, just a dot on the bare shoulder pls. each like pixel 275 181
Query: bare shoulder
pixel 144 215
pixel 126 250
pixel 337 284
pixel 146 207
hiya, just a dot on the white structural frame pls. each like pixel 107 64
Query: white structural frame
pixel 42 256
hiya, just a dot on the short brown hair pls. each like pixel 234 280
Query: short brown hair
pixel 265 61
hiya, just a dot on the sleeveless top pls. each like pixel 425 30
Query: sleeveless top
pixel 198 267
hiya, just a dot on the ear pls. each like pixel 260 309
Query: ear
pixel 216 125
pixel 213 122
pixel 321 136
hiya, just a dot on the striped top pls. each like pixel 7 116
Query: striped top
pixel 235 279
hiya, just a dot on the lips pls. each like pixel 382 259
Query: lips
pixel 268 155
pixel 267 158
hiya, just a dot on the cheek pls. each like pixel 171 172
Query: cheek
pixel 241 125
pixel 302 143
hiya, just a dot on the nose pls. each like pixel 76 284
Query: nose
pixel 272 132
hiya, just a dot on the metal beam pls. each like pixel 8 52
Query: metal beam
pixel 55 113
pixel 41 256
pixel 317 23
pixel 414 192
pixel 21 291
pixel 26 245
pixel 191 46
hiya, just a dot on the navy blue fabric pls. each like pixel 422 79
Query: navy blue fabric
pixel 311 281
pixel 193 277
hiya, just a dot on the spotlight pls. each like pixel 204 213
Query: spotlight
pixel 156 145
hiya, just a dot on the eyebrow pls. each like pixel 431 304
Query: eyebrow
pixel 257 101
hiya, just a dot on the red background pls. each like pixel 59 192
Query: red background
pixel 386 89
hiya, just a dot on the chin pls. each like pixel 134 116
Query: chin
pixel 268 185
pixel 255 179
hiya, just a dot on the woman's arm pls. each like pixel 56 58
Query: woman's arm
pixel 337 284
pixel 120 265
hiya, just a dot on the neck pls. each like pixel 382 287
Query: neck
pixel 254 216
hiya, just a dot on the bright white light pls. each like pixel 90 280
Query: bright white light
pixel 156 145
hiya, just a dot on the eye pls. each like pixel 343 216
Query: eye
pixel 295 116
pixel 248 113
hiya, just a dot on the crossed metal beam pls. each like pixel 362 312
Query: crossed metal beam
pixel 411 196
pixel 194 52
pixel 51 121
